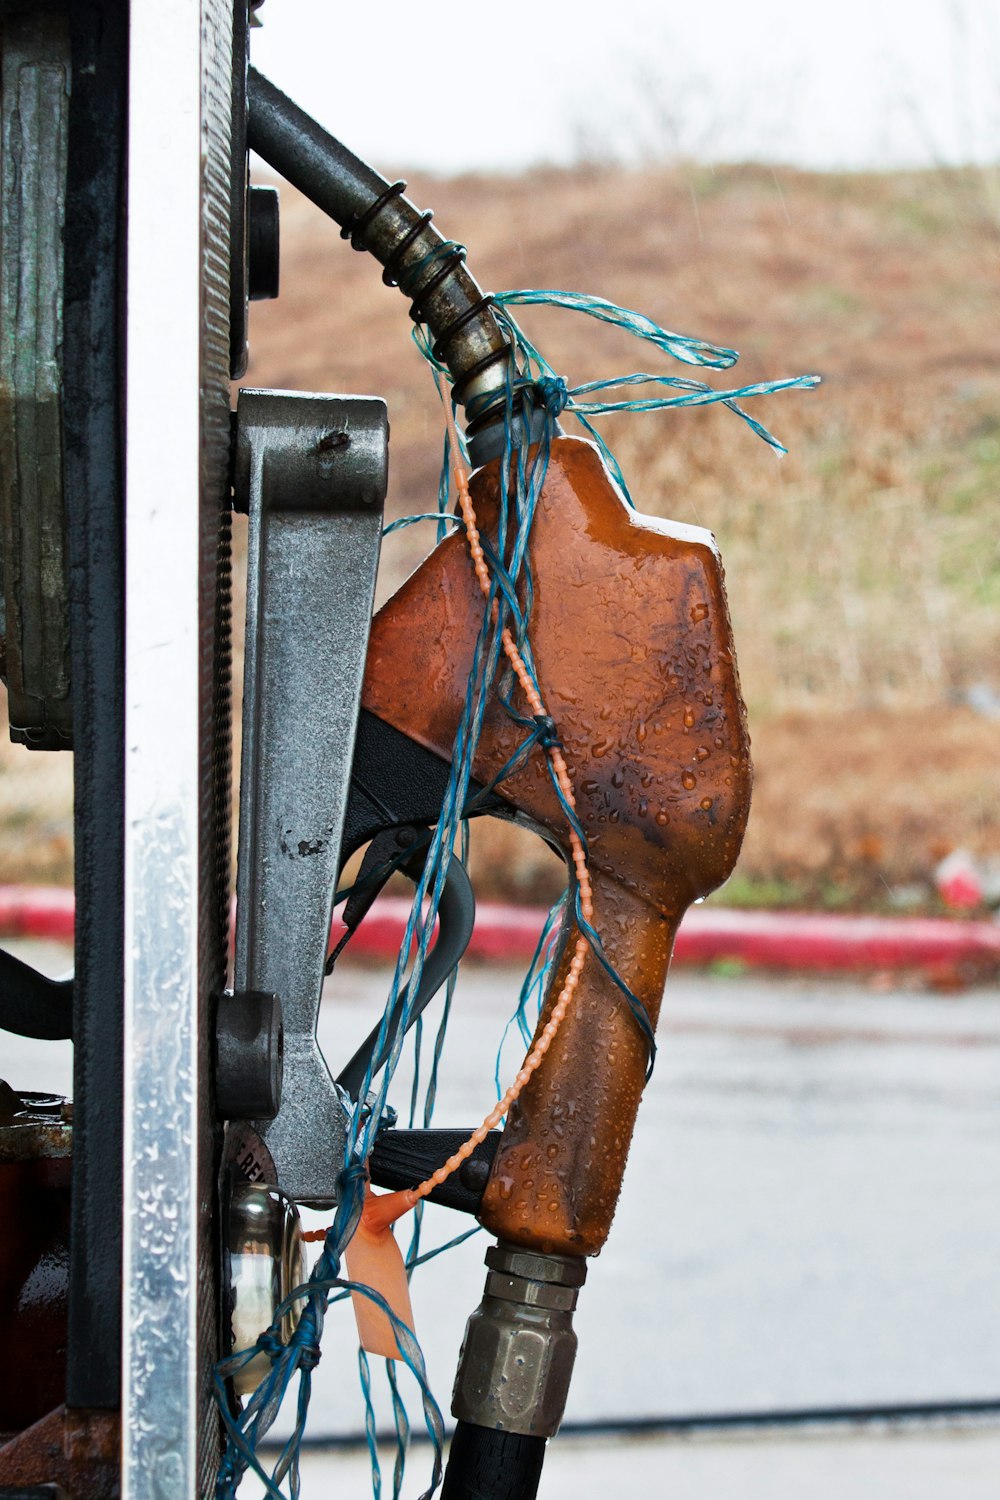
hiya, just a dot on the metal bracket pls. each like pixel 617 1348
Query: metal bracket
pixel 312 472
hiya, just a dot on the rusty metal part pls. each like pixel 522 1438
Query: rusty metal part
pixel 34 1127
pixel 77 1450
pixel 633 648
pixel 35 1144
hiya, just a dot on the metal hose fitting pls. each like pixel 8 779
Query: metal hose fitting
pixel 375 216
pixel 517 1357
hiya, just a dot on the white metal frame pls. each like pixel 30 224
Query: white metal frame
pixel 178 58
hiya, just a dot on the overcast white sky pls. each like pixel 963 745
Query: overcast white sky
pixel 454 86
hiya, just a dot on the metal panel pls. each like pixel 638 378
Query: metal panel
pixel 176 465
pixel 34 116
pixel 215 685
pixel 94 551
pixel 314 469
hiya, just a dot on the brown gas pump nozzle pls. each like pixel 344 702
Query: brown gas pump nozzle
pixel 632 645
pixel 633 648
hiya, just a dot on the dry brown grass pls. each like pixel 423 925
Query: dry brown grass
pixel 863 570
pixel 863 567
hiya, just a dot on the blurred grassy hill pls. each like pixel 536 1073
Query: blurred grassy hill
pixel 863 569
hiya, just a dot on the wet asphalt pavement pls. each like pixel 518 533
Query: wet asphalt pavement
pixel 809 1218
pixel 906 1464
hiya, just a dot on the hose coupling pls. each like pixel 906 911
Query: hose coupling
pixel 517 1357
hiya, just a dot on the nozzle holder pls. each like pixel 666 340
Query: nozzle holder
pixel 519 1348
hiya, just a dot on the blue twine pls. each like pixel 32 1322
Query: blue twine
pixel 412 521
pixel 365 1376
pixel 244 1432
pixel 533 986
pixel 689 351
pixel 557 397
pixel 402 1424
pixel 554 394
pixel 458 1239
pixel 531 385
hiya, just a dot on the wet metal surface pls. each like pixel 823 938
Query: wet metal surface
pixel 312 470
pixel 661 774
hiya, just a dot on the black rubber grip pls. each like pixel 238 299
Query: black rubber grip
pixel 487 1465
pixel 402 1157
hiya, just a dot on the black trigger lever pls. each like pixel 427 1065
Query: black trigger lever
pixel 391 850
pixel 404 848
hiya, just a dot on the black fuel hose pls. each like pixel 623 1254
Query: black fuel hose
pixel 484 1464
pixel 375 216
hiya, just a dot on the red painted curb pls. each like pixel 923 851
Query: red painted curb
pixel 829 942
pixel 823 942
pixel 36 911
pixel 505 934
pixel 801 941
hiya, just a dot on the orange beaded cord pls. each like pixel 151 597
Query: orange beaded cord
pixel 384 1210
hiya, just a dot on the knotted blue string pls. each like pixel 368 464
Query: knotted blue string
pixel 531 386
